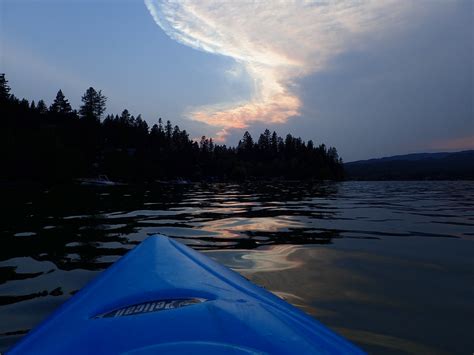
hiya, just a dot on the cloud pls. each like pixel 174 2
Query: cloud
pixel 276 42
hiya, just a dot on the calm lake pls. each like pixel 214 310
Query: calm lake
pixel 389 265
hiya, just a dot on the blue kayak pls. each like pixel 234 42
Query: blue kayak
pixel 165 298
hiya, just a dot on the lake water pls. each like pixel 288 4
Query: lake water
pixel 389 265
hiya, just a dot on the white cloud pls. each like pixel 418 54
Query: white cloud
pixel 277 42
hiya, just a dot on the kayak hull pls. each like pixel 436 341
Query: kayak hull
pixel 163 297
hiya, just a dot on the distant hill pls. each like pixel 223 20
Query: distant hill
pixel 421 166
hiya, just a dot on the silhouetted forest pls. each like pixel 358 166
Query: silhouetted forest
pixel 58 143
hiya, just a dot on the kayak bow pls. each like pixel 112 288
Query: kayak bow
pixel 163 297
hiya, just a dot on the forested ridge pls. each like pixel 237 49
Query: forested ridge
pixel 58 143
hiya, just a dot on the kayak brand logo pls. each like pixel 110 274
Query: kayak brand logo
pixel 149 307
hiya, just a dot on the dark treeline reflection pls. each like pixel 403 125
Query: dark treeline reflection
pixel 59 143
pixel 74 226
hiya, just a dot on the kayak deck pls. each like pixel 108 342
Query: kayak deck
pixel 163 297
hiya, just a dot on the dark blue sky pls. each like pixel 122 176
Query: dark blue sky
pixel 373 87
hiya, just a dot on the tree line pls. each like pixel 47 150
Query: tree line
pixel 58 143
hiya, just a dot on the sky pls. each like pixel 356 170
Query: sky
pixel 373 78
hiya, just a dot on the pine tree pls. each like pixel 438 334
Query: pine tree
pixel 274 142
pixel 4 88
pixel 125 119
pixel 93 105
pixel 247 142
pixel 141 124
pixel 154 130
pixel 24 104
pixel 41 107
pixel 168 130
pixel 332 154
pixel 60 104
pixel 264 141
pixel 204 144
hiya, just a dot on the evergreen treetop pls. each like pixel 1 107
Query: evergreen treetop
pixel 60 104
pixel 4 88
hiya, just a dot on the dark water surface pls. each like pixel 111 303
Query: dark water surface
pixel 389 265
